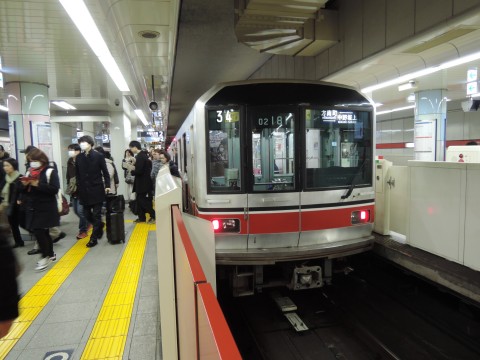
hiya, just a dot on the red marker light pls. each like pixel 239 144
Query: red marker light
pixel 216 224
pixel 363 215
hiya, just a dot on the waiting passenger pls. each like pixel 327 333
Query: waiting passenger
pixel 112 170
pixel 72 190
pixel 10 187
pixel 40 203
pixel 143 183
pixel 128 162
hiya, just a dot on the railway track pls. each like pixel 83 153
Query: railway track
pixel 376 312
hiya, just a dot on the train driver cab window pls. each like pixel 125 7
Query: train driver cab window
pixel 338 147
pixel 273 149
pixel 224 159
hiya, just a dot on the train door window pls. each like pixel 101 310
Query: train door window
pixel 223 142
pixel 338 148
pixel 273 149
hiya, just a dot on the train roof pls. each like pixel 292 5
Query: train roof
pixel 274 92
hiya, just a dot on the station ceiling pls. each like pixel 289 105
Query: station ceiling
pixel 172 51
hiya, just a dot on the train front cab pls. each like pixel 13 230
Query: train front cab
pixel 287 184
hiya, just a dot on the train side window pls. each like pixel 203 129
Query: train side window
pixel 224 160
pixel 338 147
pixel 273 150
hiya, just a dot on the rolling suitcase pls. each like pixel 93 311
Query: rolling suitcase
pixel 115 219
pixel 115 228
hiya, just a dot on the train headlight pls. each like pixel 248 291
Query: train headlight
pixel 360 217
pixel 226 225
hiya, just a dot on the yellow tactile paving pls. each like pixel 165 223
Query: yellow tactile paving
pixel 40 294
pixel 109 335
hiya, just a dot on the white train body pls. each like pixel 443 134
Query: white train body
pixel 283 169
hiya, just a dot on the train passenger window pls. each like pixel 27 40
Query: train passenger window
pixel 338 146
pixel 224 160
pixel 273 150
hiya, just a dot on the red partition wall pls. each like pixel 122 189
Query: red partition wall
pixel 215 340
pixel 202 330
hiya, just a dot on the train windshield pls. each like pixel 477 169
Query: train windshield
pixel 338 146
pixel 224 148
pixel 273 149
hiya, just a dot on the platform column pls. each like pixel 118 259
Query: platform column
pixel 430 125
pixel 28 106
pixel 120 137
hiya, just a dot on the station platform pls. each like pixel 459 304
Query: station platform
pixel 91 303
pixel 455 277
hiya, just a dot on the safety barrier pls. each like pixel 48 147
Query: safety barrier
pixel 209 337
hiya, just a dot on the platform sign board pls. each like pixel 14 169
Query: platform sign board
pixel 425 139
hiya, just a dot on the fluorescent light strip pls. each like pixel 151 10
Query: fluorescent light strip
pixel 82 19
pixel 141 116
pixel 397 109
pixel 3 108
pixel 64 105
pixel 427 71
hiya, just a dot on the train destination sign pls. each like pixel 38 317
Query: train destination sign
pixel 339 116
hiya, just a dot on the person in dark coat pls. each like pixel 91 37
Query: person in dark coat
pixel 142 185
pixel 91 173
pixel 72 190
pixel 38 197
pixel 9 187
pixel 3 156
pixel 8 284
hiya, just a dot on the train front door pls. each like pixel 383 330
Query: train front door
pixel 272 192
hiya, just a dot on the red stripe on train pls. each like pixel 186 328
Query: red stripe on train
pixel 280 222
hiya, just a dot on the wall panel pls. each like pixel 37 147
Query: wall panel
pixel 373 27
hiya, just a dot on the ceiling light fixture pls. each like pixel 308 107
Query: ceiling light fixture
pixel 397 109
pixel 423 72
pixel 81 17
pixel 64 105
pixel 407 86
pixel 141 116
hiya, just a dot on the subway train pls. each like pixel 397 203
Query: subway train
pixel 284 172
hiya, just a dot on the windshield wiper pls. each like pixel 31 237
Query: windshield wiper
pixel 352 181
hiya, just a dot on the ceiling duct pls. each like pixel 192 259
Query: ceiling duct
pixel 470 105
pixel 289 27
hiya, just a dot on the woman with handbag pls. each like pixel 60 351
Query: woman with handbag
pixel 40 203
pixel 10 185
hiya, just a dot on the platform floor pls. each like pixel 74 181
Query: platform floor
pixel 455 277
pixel 85 305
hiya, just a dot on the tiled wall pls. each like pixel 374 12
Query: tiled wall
pixel 397 128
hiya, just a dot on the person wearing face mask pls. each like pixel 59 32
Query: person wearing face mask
pixel 91 174
pixel 72 190
pixel 40 203
pixel 55 233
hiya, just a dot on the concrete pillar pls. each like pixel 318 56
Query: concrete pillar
pixel 120 136
pixel 430 125
pixel 29 116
